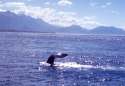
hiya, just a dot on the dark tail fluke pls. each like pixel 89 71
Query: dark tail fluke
pixel 51 58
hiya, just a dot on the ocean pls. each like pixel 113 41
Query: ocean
pixel 93 60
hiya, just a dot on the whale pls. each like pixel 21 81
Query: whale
pixel 52 58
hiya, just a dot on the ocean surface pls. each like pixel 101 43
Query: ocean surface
pixel 93 60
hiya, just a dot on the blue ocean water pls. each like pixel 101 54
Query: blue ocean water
pixel 21 54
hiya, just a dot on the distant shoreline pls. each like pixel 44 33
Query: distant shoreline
pixel 58 33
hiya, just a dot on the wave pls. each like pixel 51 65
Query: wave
pixel 63 65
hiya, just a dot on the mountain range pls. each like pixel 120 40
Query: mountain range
pixel 11 22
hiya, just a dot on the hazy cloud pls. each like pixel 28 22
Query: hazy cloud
pixel 99 4
pixel 47 3
pixel 64 2
pixel 106 4
pixel 93 4
pixel 115 12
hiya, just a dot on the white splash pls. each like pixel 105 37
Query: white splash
pixel 68 65
pixel 63 65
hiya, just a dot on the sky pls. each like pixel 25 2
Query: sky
pixel 85 13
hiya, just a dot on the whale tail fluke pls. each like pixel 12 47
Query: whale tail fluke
pixel 52 57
